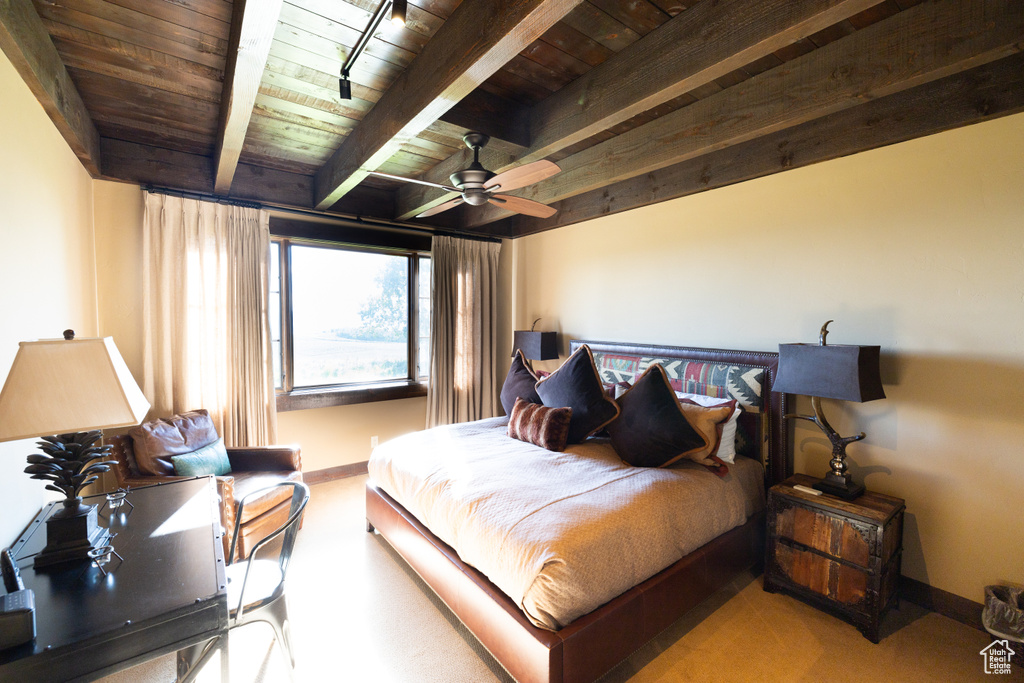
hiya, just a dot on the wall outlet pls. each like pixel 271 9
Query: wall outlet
pixel 373 442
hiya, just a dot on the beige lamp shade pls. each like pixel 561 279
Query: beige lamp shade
pixel 58 386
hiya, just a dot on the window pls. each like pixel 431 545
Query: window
pixel 348 324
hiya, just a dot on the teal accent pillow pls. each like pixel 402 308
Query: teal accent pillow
pixel 212 459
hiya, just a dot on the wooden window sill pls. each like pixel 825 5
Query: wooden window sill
pixel 324 397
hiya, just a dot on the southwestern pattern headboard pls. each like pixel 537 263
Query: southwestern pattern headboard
pixel 746 376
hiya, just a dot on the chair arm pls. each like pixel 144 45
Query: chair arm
pixel 226 492
pixel 119 447
pixel 265 458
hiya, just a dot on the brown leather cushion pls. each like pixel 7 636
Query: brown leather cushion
pixel 155 442
pixel 247 482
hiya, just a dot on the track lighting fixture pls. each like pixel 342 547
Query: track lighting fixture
pixel 398 11
pixel 345 86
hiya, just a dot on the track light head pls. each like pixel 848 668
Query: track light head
pixel 398 11
pixel 345 87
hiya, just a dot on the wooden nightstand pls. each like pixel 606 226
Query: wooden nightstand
pixel 843 556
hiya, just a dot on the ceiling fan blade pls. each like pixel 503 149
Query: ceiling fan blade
pixel 521 205
pixel 522 176
pixel 449 188
pixel 450 204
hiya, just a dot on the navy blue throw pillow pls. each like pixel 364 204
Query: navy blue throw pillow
pixel 577 385
pixel 519 383
pixel 652 430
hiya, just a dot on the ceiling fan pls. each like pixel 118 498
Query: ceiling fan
pixel 477 185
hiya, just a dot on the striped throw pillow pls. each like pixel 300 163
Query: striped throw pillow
pixel 539 425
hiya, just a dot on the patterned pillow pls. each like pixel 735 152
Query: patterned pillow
pixel 544 427
pixel 519 383
pixel 726 450
pixel 212 459
pixel 616 390
pixel 577 385
pixel 653 430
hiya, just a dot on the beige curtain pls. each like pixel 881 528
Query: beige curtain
pixel 463 325
pixel 207 334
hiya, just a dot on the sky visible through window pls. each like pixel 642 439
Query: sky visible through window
pixel 336 281
pixel 349 316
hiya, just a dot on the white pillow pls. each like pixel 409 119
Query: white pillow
pixel 727 447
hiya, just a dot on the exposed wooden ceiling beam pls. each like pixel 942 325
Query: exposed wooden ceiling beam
pixel 981 94
pixel 252 31
pixel 149 165
pixel 699 45
pixel 922 44
pixel 25 41
pixel 486 113
pixel 476 40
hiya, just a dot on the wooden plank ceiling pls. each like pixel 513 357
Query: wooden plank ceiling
pixel 638 101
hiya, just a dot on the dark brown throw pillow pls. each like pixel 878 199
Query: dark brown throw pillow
pixel 155 442
pixel 519 383
pixel 652 429
pixel 577 385
pixel 544 427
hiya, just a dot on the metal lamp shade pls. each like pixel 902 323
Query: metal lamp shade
pixel 59 386
pixel 842 372
pixel 536 345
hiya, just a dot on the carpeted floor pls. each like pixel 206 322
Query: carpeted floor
pixel 359 614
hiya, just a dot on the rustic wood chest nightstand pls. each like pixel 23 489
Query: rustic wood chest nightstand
pixel 843 556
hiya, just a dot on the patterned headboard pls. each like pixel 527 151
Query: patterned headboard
pixel 746 376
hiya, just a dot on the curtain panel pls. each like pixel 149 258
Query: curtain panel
pixel 207 332
pixel 463 327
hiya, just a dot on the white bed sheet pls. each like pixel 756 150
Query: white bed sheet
pixel 560 533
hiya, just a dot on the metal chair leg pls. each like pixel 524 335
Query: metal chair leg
pixel 191 660
pixel 278 616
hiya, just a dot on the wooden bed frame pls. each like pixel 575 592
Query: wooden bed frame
pixel 589 647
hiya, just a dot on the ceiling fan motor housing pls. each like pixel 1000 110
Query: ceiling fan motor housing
pixel 471 182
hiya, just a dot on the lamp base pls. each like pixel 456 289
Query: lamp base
pixel 70 538
pixel 840 486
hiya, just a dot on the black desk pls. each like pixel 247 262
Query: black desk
pixel 169 592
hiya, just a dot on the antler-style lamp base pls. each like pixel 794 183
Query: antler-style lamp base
pixel 840 372
pixel 840 486
pixel 837 482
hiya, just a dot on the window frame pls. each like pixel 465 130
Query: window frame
pixel 304 398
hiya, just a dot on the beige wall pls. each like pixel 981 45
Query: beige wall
pixel 918 247
pixel 47 272
pixel 340 435
pixel 118 220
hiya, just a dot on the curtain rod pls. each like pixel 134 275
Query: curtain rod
pixel 339 217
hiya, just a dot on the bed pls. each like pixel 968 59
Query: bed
pixel 532 649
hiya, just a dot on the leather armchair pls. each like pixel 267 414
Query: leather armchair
pixel 251 469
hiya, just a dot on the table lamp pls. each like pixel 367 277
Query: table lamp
pixel 56 389
pixel 535 345
pixel 841 372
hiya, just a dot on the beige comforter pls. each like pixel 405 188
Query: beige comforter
pixel 560 533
